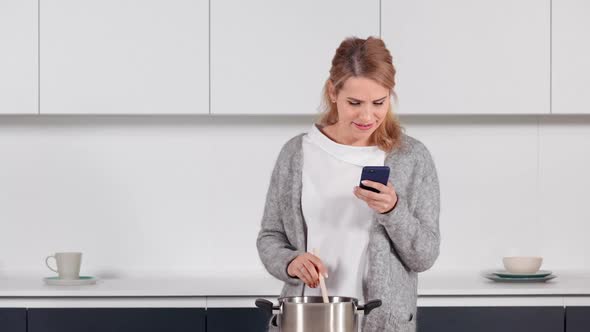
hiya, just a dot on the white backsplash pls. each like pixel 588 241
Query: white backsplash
pixel 182 194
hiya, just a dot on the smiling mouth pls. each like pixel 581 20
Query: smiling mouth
pixel 363 126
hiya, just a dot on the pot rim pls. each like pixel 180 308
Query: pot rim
pixel 294 300
pixel 269 306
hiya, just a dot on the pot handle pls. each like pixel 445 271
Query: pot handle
pixel 369 306
pixel 266 305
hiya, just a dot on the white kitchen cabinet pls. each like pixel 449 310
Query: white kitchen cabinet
pixel 18 56
pixel 470 57
pixel 124 56
pixel 570 58
pixel 273 57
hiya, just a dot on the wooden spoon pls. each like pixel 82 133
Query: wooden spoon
pixel 316 252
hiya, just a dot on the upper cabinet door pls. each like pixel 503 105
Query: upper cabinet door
pixel 124 56
pixel 571 54
pixel 18 56
pixel 469 57
pixel 273 57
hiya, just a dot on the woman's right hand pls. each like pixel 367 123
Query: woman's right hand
pixel 306 267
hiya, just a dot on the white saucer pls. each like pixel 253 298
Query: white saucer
pixel 83 280
pixel 494 277
pixel 506 274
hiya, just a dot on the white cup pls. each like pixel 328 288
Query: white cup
pixel 68 264
pixel 522 264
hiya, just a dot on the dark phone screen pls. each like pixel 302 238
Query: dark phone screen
pixel 374 173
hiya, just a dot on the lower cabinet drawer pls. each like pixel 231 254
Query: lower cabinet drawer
pixel 490 319
pixel 13 319
pixel 116 320
pixel 237 320
pixel 577 319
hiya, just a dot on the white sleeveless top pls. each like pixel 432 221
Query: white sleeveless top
pixel 337 221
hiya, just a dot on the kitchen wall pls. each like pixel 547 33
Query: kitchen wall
pixel 184 194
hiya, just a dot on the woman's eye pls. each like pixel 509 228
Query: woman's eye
pixel 358 103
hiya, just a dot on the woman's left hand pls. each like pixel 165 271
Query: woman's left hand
pixel 381 202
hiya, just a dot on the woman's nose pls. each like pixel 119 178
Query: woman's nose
pixel 365 114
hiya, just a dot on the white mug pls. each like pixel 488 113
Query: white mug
pixel 68 264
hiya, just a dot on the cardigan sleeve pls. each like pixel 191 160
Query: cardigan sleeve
pixel 274 248
pixel 414 230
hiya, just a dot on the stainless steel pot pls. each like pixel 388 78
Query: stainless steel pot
pixel 311 314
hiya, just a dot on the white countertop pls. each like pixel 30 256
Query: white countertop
pixel 235 286
pixel 439 284
pixel 472 284
pixel 173 286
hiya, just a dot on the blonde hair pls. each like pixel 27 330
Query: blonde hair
pixel 369 58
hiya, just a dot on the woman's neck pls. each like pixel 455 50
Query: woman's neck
pixel 339 136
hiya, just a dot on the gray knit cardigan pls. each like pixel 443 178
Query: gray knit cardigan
pixel 402 242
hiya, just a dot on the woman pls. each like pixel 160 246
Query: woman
pixel 372 245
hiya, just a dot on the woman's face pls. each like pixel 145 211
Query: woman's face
pixel 362 106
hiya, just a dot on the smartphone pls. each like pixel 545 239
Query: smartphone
pixel 374 173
